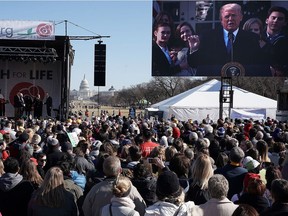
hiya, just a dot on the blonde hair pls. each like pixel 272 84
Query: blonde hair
pixel 35 128
pixel 249 22
pixel 231 6
pixel 202 171
pixel 158 151
pixel 122 186
pixel 51 192
pixel 30 133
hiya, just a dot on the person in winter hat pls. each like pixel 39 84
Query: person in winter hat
pixel 170 198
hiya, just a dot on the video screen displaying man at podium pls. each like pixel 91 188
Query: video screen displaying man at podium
pixel 229 49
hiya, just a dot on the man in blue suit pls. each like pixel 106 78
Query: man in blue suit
pixel 162 62
pixel 213 45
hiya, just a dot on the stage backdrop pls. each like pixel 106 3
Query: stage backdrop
pixel 31 79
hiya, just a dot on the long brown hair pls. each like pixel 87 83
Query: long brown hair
pixel 29 172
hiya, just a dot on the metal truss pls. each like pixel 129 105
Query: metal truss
pixel 27 51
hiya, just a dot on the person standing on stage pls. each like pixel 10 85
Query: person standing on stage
pixel 38 105
pixel 19 105
pixel 2 104
pixel 28 105
pixel 48 103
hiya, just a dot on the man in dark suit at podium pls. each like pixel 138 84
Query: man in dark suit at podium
pixel 213 45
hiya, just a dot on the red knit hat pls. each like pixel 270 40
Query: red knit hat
pixel 247 178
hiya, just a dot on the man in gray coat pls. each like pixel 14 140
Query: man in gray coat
pixel 219 204
pixel 101 193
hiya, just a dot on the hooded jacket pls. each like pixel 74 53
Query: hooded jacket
pixel 9 181
pixel 120 206
pixel 15 194
pixel 170 209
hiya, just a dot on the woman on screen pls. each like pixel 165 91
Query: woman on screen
pixel 185 41
pixel 255 25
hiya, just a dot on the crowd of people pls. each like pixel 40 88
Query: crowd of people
pixel 117 165
pixel 262 50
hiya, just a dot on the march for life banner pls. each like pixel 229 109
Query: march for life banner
pixel 30 79
pixel 27 30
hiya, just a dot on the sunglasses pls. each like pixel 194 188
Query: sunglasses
pixel 43 160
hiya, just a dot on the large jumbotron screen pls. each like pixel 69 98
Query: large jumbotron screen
pixel 172 56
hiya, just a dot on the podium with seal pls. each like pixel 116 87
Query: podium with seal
pixel 232 69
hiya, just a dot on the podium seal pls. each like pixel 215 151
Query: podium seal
pixel 232 69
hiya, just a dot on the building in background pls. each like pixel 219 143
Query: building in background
pixel 84 90
pixel 85 93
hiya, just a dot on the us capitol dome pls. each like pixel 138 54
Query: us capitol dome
pixel 84 90
pixel 85 93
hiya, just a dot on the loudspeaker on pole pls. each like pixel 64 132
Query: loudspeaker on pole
pixel 100 64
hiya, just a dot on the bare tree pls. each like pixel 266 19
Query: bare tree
pixel 125 97
pixel 265 86
pixel 168 84
pixel 161 88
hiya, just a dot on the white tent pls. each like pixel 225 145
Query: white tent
pixel 196 103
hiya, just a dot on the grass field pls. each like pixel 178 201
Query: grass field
pixel 92 108
pixel 124 111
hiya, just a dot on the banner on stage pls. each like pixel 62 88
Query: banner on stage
pixel 27 30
